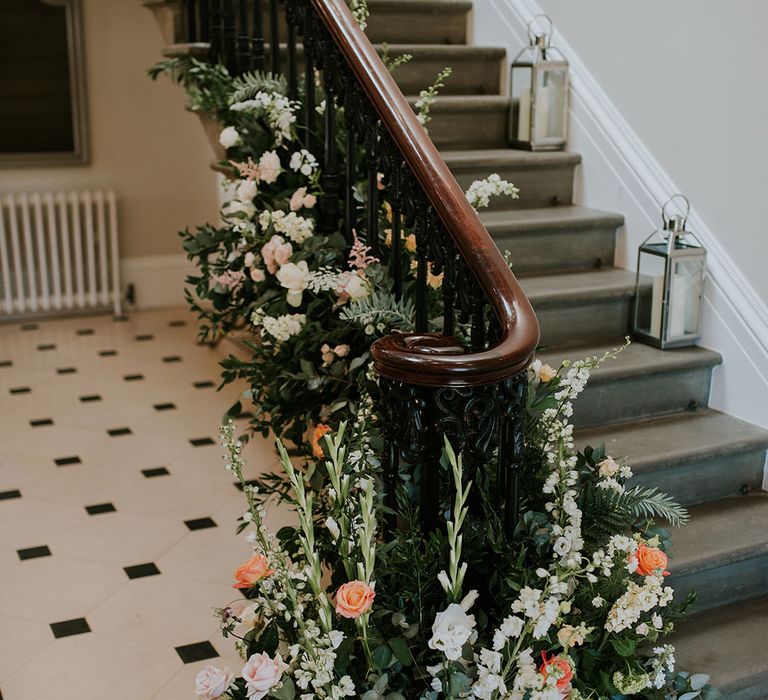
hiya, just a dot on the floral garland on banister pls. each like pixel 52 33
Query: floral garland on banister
pixel 573 606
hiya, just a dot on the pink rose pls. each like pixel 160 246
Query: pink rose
pixel 257 274
pixel 354 599
pixel 276 252
pixel 261 674
pixel 341 350
pixel 212 682
pixel 269 167
pixel 300 199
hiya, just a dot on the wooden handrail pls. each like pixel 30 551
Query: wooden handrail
pixel 429 359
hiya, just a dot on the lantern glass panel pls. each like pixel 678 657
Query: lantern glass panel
pixel 650 293
pixel 520 89
pixel 685 283
pixel 550 106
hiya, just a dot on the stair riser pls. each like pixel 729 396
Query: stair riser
pixel 471 75
pixel 758 691
pixel 571 324
pixel 470 128
pixel 553 251
pixel 539 187
pixel 706 479
pixel 641 396
pixel 720 585
pixel 416 27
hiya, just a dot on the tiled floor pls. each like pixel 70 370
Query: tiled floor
pixel 116 516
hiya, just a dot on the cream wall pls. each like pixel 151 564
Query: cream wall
pixel 690 77
pixel 143 143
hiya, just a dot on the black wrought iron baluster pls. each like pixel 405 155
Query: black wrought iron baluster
pixel 330 179
pixel 274 36
pixel 477 334
pixel 350 170
pixel 310 113
pixel 229 36
pixel 243 37
pixel 190 20
pixel 257 36
pixel 293 70
pixel 396 266
pixel 422 269
pixel 449 286
pixel 204 19
pixel 215 14
pixel 371 159
pixel 510 453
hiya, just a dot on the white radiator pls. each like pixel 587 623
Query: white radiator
pixel 58 253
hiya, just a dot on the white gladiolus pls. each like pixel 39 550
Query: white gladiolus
pixel 452 629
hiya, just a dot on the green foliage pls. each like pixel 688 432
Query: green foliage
pixel 381 306
pixel 248 85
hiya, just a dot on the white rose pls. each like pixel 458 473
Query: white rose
pixel 608 468
pixel 246 190
pixel 356 287
pixel 249 259
pixel 229 137
pixel 451 630
pixel 212 682
pixel 269 166
pixel 294 276
pixel 261 674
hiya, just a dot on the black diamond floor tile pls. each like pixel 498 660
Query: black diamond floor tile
pixel 145 336
pixel 207 384
pixel 177 323
pixel 7 495
pixel 200 651
pixel 66 370
pixel 100 508
pixel 6 363
pixel 133 377
pixel 200 523
pixel 141 570
pixel 46 346
pixel 85 331
pixel 165 406
pixel 20 390
pixel 34 552
pixel 201 442
pixel 172 358
pixel 120 319
pixel 40 422
pixel 90 398
pixel 64 461
pixel 117 432
pixel 155 471
pixel 29 326
pixel 69 627
pixel 107 353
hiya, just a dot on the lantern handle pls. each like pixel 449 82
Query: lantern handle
pixel 547 34
pixel 664 216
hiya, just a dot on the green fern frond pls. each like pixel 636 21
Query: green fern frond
pixel 652 503
pixel 381 307
pixel 249 84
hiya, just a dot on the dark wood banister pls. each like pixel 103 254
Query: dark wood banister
pixel 429 359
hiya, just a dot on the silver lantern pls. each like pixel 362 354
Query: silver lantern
pixel 539 89
pixel 670 281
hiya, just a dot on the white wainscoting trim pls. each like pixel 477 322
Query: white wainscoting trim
pixel 158 280
pixel 619 173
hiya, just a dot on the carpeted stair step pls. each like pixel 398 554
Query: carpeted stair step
pixel 731 645
pixel 696 457
pixel 551 239
pixel 544 179
pixel 640 383
pixel 722 553
pixel 467 121
pixel 578 307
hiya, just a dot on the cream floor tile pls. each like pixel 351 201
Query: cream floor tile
pixel 20 641
pixel 16 471
pixel 118 538
pixel 53 589
pixel 93 667
pixel 28 523
pixel 162 609
pixel 8 559
pixel 52 442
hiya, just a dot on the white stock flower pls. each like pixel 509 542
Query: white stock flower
pixel 303 161
pixel 229 137
pixel 451 630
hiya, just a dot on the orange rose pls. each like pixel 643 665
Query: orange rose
pixel 250 573
pixel 559 665
pixel 354 599
pixel 651 560
pixel 317 434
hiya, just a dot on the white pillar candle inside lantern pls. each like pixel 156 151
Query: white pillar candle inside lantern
pixel 670 279
pixel 539 87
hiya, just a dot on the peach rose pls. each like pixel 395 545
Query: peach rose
pixel 560 666
pixel 250 573
pixel 257 274
pixel 262 673
pixel 354 599
pixel 341 350
pixel 300 199
pixel 317 434
pixel 276 252
pixel 651 560
pixel 212 682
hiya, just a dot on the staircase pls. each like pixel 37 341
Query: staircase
pixel 649 405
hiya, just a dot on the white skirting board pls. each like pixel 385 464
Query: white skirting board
pixel 619 173
pixel 158 280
